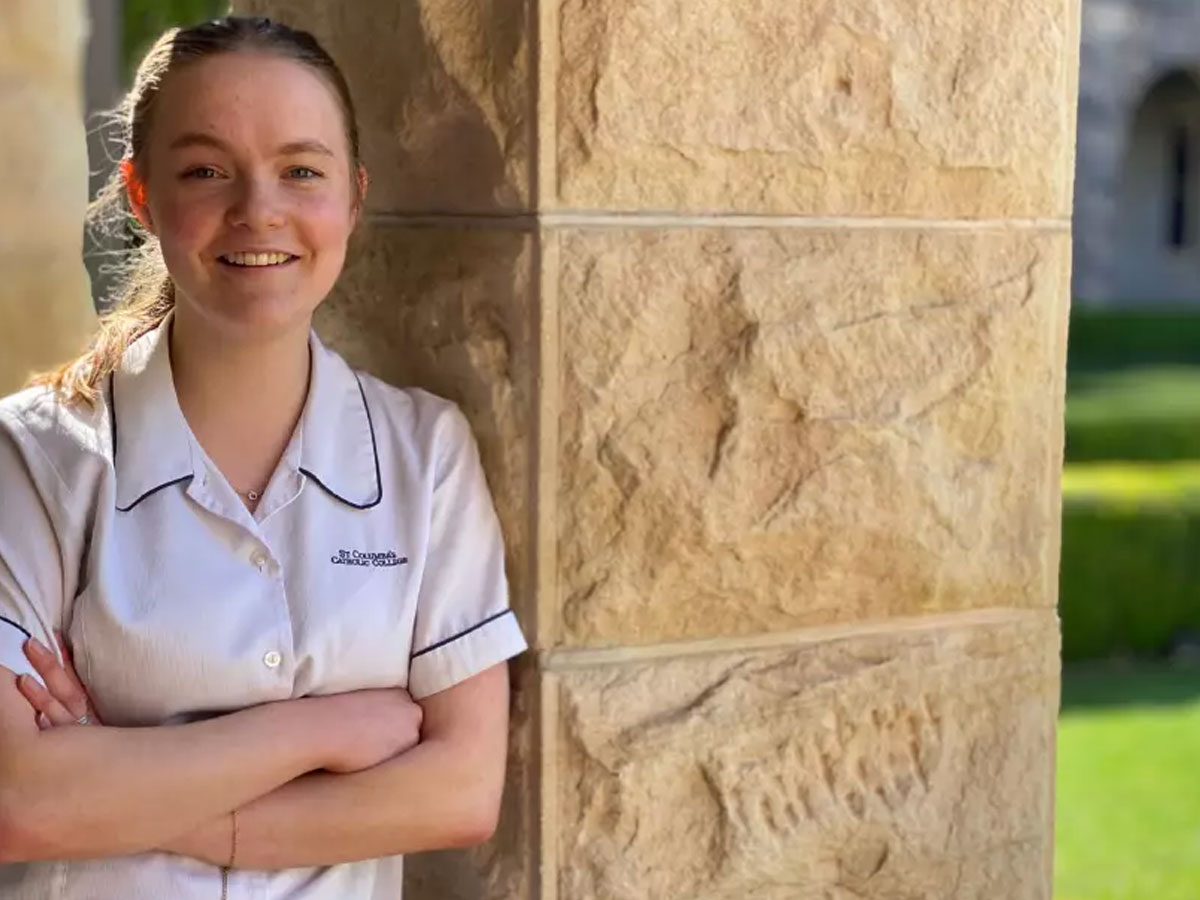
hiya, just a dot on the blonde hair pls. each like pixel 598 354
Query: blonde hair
pixel 144 294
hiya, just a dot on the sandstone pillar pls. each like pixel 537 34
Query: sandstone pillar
pixel 45 304
pixel 759 311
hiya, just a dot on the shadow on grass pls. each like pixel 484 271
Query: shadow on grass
pixel 1126 683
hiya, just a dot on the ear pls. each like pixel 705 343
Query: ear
pixel 361 182
pixel 135 191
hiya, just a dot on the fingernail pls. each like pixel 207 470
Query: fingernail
pixel 37 645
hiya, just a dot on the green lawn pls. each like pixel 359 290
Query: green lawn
pixel 1128 810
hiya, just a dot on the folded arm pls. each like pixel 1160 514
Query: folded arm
pixel 68 793
pixel 94 791
pixel 445 792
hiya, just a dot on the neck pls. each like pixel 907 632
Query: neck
pixel 242 399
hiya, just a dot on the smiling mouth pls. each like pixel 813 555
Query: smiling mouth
pixel 256 260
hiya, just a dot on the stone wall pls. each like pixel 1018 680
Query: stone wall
pixel 45 303
pixel 759 311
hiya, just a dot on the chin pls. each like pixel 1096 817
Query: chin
pixel 257 318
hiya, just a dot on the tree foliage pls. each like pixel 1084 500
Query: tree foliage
pixel 145 20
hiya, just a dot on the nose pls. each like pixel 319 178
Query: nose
pixel 256 205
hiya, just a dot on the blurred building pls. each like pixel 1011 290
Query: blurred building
pixel 1137 191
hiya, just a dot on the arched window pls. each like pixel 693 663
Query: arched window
pixel 1158 226
pixel 1179 177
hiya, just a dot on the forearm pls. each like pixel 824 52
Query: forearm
pixel 445 792
pixel 98 791
pixel 433 797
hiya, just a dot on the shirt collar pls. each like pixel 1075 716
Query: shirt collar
pixel 338 447
pixel 152 444
pixel 150 437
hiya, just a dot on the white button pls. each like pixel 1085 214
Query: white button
pixel 272 659
pixel 259 560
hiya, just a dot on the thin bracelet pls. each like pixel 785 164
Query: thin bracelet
pixel 233 842
pixel 232 858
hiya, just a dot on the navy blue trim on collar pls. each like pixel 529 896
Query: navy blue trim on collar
pixel 112 410
pixel 374 450
pixel 166 484
pixel 462 634
pixel 23 630
pixel 112 420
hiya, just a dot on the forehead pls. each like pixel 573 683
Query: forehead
pixel 251 101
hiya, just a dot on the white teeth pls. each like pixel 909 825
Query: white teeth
pixel 256 259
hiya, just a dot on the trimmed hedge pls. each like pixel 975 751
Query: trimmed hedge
pixel 1130 576
pixel 1105 339
pixel 1134 414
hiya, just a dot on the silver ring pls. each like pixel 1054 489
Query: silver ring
pixel 83 720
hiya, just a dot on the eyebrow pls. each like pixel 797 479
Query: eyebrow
pixel 309 146
pixel 196 139
pixel 200 139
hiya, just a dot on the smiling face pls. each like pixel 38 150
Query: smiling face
pixel 251 191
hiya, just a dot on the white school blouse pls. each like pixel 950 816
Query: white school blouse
pixel 374 560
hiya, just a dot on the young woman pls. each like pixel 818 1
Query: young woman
pixel 276 582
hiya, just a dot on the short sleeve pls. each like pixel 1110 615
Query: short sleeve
pixel 31 569
pixel 464 624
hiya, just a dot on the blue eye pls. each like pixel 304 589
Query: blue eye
pixel 203 173
pixel 304 173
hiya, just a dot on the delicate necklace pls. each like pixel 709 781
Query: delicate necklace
pixel 252 496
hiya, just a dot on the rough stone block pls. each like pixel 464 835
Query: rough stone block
pixel 832 107
pixel 443 96
pixel 450 310
pixel 770 429
pixel 908 764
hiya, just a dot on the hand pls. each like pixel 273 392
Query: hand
pixel 365 727
pixel 64 700
pixel 368 727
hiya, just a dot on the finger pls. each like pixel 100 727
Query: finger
pixel 39 698
pixel 67 655
pixel 63 646
pixel 44 702
pixel 61 686
pixel 73 674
